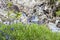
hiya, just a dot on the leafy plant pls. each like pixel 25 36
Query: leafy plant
pixel 58 13
pixel 27 32
pixel 18 15
pixel 9 4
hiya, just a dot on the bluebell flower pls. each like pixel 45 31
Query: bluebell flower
pixel 7 37
pixel 0 30
pixel 3 33
pixel 12 29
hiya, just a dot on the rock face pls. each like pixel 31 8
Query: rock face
pixel 36 11
pixel 54 27
pixel 58 24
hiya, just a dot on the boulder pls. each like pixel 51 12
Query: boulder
pixel 58 24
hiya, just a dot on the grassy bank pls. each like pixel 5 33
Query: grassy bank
pixel 27 32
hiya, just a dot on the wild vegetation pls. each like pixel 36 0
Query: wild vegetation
pixel 44 13
pixel 58 13
pixel 27 32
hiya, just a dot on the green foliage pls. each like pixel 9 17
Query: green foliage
pixel 18 15
pixel 27 32
pixel 11 14
pixel 58 13
pixel 9 4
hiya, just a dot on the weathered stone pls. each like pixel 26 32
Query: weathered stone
pixel 58 24
pixel 41 9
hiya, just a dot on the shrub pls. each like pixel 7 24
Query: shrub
pixel 26 32
pixel 58 13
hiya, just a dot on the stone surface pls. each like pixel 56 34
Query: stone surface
pixel 32 11
pixel 53 26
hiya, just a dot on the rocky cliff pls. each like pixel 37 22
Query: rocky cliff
pixel 37 11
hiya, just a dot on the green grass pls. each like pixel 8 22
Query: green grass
pixel 27 32
pixel 58 13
